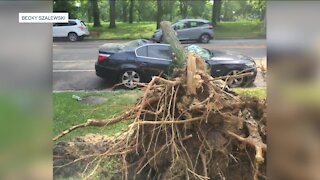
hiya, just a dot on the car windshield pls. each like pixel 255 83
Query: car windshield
pixel 205 54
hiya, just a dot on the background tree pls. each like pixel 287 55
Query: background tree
pixel 216 11
pixel 159 13
pixel 260 5
pixel 65 6
pixel 131 11
pixel 197 8
pixel 159 10
pixel 112 10
pixel 183 4
pixel 169 10
pixel 124 10
pixel 88 9
pixel 95 13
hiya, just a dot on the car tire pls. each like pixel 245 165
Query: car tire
pixel 129 77
pixel 204 38
pixel 73 37
pixel 235 82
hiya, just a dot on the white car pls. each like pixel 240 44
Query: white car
pixel 74 30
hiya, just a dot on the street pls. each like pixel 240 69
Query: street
pixel 73 63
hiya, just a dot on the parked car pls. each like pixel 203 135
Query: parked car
pixel 189 29
pixel 139 60
pixel 74 30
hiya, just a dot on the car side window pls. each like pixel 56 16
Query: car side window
pixel 181 25
pixel 159 51
pixel 72 23
pixel 61 24
pixel 142 51
pixel 194 24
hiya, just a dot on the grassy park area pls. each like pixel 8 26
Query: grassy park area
pixel 224 30
pixel 68 112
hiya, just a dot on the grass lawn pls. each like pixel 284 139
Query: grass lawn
pixel 224 30
pixel 69 112
pixel 241 29
pixel 143 30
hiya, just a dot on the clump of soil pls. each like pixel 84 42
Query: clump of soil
pixel 189 127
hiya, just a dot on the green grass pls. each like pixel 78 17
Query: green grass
pixel 143 30
pixel 136 30
pixel 241 29
pixel 69 112
pixel 260 92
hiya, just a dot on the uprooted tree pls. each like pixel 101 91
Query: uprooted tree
pixel 188 127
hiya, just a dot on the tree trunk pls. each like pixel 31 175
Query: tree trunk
pixel 95 13
pixel 131 11
pixel 112 5
pixel 194 63
pixel 89 12
pixel 159 12
pixel 170 37
pixel 124 11
pixel 216 8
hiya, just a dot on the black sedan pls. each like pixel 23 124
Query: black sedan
pixel 139 60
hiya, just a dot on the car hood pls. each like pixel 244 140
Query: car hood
pixel 228 55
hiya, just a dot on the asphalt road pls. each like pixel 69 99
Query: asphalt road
pixel 73 63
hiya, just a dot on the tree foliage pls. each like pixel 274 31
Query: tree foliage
pixel 161 10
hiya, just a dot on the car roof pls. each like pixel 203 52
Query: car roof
pixel 75 20
pixel 198 20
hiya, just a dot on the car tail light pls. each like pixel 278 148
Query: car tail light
pixel 103 57
pixel 82 27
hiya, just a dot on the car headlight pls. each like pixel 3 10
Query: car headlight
pixel 251 64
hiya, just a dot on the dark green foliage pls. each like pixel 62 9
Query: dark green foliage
pixel 65 6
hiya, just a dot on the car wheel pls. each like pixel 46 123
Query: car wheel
pixel 129 78
pixel 72 37
pixel 204 38
pixel 234 81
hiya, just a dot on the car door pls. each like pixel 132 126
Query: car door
pixel 194 31
pixel 182 30
pixel 54 30
pixel 153 59
pixel 60 29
